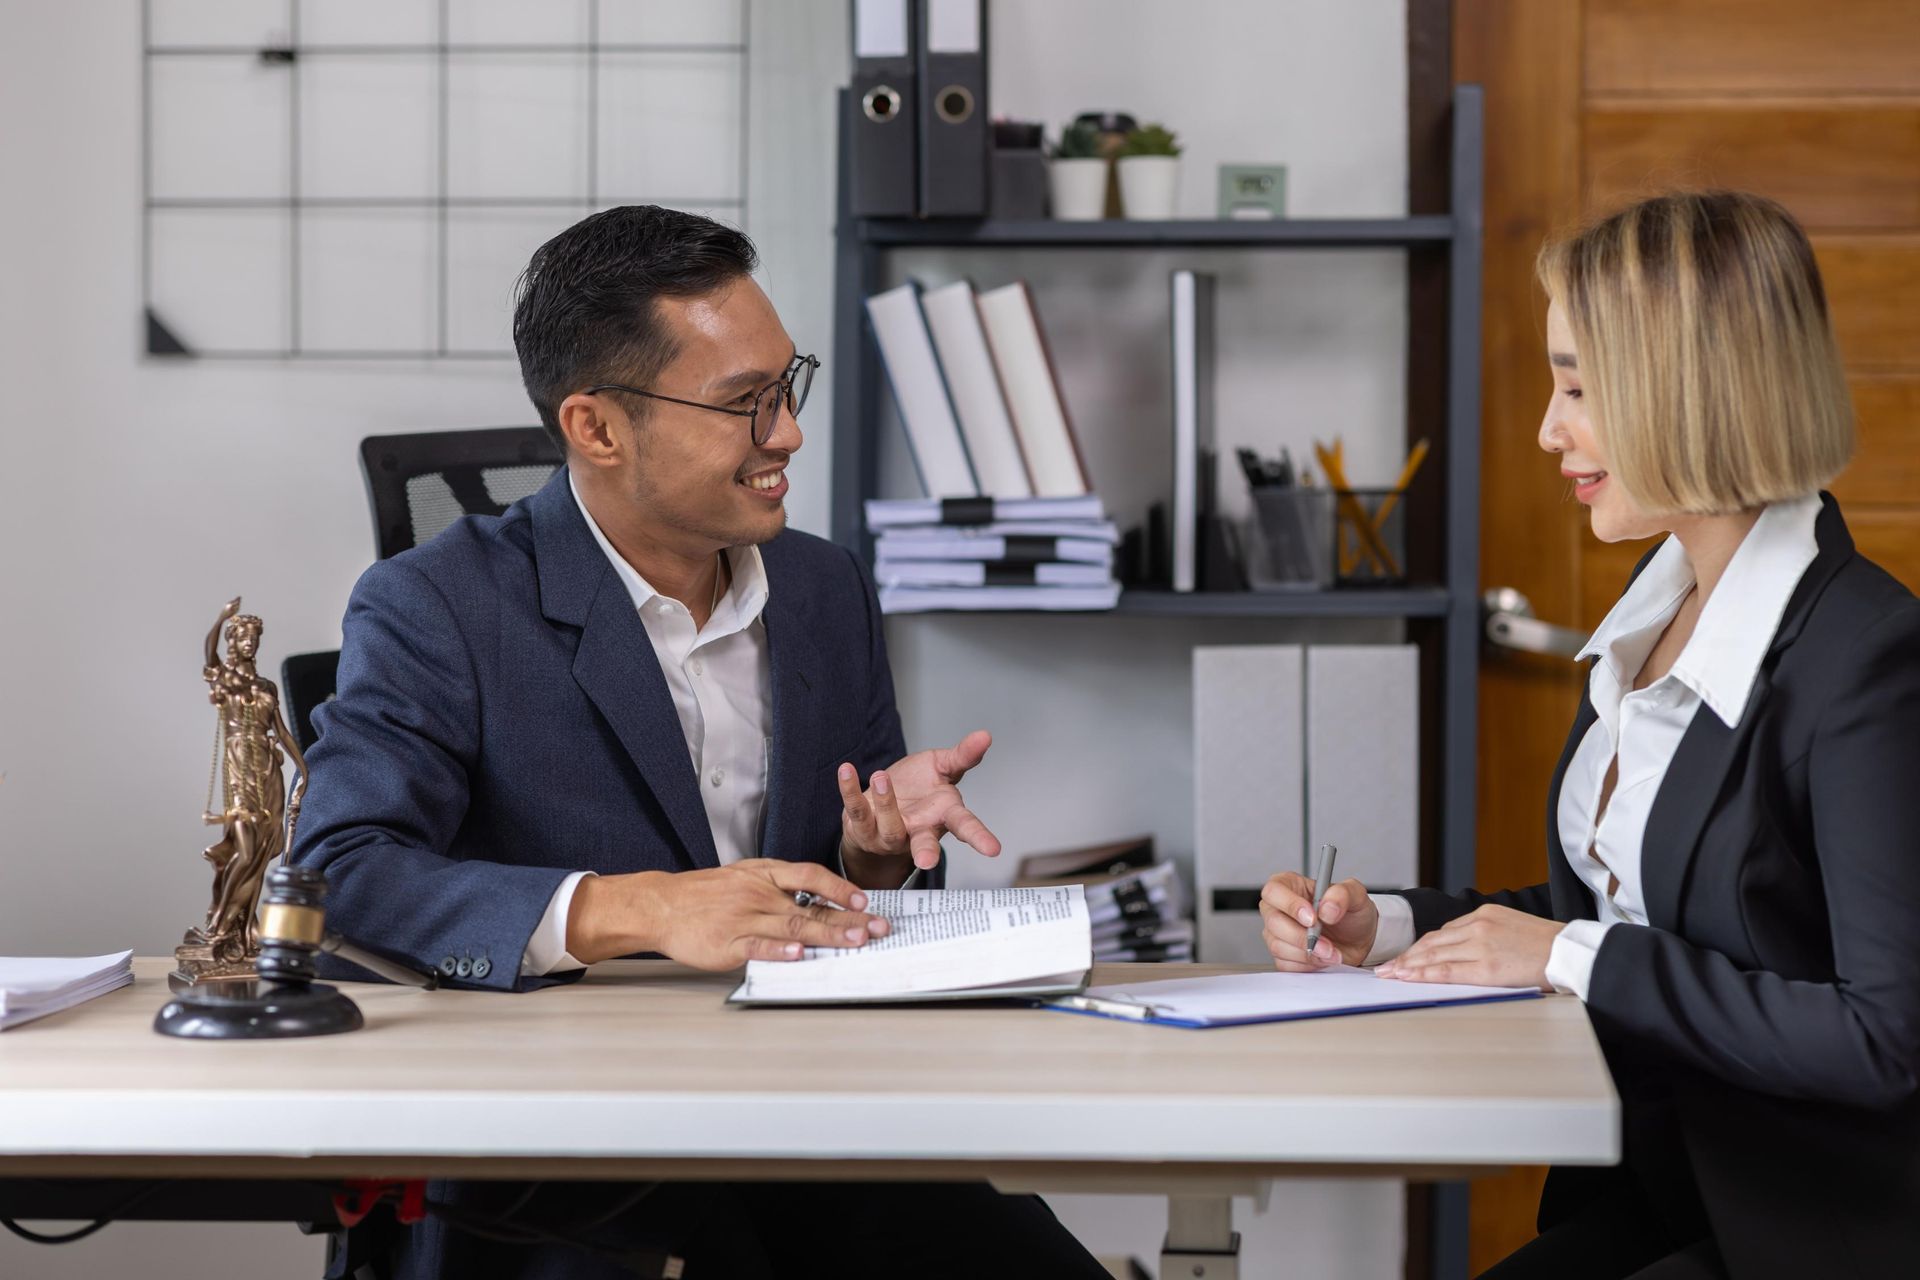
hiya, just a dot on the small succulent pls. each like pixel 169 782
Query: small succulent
pixel 1078 142
pixel 1150 140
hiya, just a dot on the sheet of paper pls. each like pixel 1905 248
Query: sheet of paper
pixel 942 939
pixel 1260 997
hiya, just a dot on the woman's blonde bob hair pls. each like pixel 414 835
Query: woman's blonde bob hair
pixel 1709 366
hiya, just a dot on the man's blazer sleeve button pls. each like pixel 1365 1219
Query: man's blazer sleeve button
pixel 449 966
pixel 482 967
pixel 465 968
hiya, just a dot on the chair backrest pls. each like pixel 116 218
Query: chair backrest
pixel 418 484
pixel 306 681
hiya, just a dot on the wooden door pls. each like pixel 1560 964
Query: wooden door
pixel 1593 103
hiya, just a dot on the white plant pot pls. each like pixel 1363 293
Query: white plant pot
pixel 1079 189
pixel 1147 185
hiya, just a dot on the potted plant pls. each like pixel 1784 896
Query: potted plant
pixel 1149 171
pixel 1077 175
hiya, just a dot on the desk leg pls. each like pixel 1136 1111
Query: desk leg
pixel 1201 1243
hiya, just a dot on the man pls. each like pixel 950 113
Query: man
pixel 632 715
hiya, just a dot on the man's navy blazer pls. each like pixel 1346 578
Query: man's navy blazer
pixel 502 721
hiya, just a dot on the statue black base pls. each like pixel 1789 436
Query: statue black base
pixel 258 1011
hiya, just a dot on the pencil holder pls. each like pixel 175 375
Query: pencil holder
pixel 1292 544
pixel 1369 538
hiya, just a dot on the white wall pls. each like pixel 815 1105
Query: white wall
pixel 136 496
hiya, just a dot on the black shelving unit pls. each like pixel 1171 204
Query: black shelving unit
pixel 1442 609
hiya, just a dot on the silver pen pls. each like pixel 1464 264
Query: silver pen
pixel 1320 883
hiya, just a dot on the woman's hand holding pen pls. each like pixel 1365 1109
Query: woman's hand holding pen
pixel 1348 921
pixel 1490 946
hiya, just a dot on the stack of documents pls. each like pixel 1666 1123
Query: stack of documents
pixel 1140 916
pixel 946 944
pixel 993 553
pixel 33 986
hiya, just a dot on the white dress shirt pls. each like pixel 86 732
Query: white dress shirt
pixel 722 687
pixel 1640 729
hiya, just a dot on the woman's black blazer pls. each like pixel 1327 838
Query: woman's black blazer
pixel 1764 1029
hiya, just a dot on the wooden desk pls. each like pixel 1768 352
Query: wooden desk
pixel 641 1072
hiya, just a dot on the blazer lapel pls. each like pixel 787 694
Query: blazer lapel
pixel 795 663
pixel 614 664
pixel 1687 796
pixel 1709 747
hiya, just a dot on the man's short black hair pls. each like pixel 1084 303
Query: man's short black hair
pixel 584 310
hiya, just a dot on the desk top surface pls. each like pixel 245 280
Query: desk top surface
pixel 642 1059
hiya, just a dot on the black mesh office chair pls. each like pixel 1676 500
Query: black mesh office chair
pixel 417 485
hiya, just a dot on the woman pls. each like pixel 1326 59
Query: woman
pixel 1733 836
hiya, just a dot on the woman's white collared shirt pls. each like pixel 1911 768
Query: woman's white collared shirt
pixel 1642 728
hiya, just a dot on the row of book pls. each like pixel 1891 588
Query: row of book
pixel 977 393
pixel 993 553
pixel 1137 906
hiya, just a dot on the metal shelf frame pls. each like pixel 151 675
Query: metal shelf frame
pixel 1442 617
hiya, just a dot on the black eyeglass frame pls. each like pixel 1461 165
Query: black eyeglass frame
pixel 785 383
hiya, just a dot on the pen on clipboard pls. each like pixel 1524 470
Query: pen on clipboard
pixel 1139 1011
pixel 1320 883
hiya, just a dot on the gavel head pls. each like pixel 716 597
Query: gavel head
pixel 292 925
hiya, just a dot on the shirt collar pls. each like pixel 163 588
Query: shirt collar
pixel 737 610
pixel 1730 640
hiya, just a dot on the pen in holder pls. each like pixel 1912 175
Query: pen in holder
pixel 1292 546
pixel 1370 538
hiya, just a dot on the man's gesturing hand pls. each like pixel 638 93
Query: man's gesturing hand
pixel 1348 923
pixel 907 808
pixel 718 918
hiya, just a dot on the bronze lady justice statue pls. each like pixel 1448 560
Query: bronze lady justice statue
pixel 257 815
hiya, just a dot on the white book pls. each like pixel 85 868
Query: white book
pixel 1030 550
pixel 1192 419
pixel 888 513
pixel 1033 394
pixel 900 329
pixel 35 986
pixel 1051 599
pixel 1104 530
pixel 954 321
pixel 975 573
pixel 946 944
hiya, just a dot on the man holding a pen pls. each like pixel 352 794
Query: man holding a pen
pixel 633 715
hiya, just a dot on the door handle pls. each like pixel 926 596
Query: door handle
pixel 1508 623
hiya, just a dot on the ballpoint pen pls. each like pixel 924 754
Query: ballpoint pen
pixel 1319 893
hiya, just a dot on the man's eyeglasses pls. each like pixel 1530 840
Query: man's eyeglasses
pixel 789 388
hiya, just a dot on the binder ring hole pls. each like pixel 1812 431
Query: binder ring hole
pixel 954 104
pixel 881 104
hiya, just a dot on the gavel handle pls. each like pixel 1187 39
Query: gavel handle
pixel 392 970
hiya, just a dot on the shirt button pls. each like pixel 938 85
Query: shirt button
pixel 717 777
pixel 695 666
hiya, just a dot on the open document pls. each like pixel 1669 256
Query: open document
pixel 946 944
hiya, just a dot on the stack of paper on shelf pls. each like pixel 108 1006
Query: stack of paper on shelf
pixel 1009 521
pixel 1140 916
pixel 998 553
pixel 1138 906
pixel 35 986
